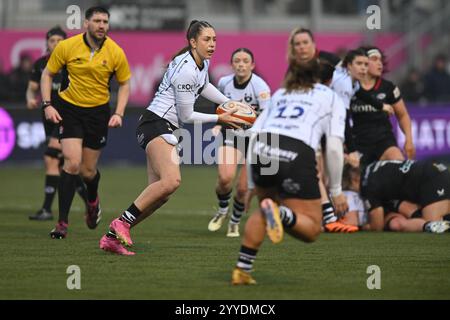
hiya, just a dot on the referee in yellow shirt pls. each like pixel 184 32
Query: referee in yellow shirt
pixel 82 109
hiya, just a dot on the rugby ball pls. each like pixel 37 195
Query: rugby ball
pixel 244 114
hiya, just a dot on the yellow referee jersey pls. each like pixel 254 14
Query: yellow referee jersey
pixel 90 71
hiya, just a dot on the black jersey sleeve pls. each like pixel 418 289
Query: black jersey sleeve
pixel 36 73
pixel 349 140
pixel 393 94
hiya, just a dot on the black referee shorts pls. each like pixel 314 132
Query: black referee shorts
pixel 88 124
pixel 51 128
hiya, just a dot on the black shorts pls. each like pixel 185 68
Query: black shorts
pixel 373 152
pixel 296 174
pixel 237 139
pixel 89 124
pixel 435 184
pixel 151 126
pixel 51 128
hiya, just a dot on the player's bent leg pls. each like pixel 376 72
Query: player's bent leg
pixel 398 223
pixel 91 177
pixel 436 210
pixel 239 204
pixel 306 225
pixel 254 233
pixel 72 151
pixel 51 161
pixel 228 160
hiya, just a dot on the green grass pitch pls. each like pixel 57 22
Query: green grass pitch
pixel 178 258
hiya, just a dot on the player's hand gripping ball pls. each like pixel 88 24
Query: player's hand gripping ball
pixel 245 114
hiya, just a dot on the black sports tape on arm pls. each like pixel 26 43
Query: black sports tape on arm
pixel 349 141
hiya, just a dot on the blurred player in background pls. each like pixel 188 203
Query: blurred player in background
pixel 289 133
pixel 424 183
pixel 302 48
pixel 400 216
pixel 185 79
pixel 245 86
pixel 372 129
pixel 83 111
pixel 53 155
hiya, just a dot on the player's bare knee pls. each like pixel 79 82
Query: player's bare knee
pixel 225 181
pixel 170 185
pixel 72 167
pixel 313 234
pixel 88 173
pixel 396 225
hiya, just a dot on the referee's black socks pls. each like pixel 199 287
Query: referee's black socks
pixel 81 188
pixel 66 192
pixel 92 187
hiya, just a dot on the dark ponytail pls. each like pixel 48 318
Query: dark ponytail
pixel 302 75
pixel 193 31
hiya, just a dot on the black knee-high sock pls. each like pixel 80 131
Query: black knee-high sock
pixel 66 192
pixel 80 187
pixel 238 211
pixel 224 201
pixel 92 187
pixel 131 214
pixel 51 186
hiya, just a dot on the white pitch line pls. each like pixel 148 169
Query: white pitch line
pixel 201 212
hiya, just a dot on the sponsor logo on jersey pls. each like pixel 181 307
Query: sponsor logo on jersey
pixel 290 186
pixel 381 96
pixel 264 95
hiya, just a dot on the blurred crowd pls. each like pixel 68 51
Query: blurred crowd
pixel 429 86
pixel 432 86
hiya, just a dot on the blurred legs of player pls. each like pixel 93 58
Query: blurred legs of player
pixel 164 178
pixel 229 158
pixel 52 160
pixel 299 218
pixel 77 160
pixel 398 223
pixel 330 220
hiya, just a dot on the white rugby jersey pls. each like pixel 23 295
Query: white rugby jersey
pixel 181 85
pixel 305 116
pixel 343 85
pixel 355 203
pixel 254 92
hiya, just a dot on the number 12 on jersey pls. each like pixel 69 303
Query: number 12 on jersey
pixel 291 113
